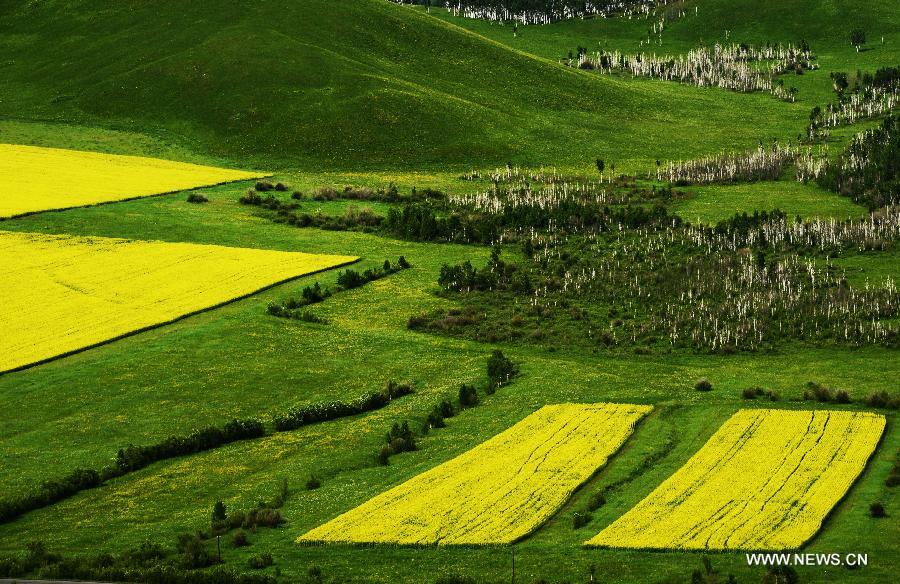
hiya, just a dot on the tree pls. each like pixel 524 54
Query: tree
pixel 219 512
pixel 840 81
pixel 601 165
pixel 857 38
pixel 500 369
pixel 468 396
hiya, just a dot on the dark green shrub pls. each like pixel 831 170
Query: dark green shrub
pixel 468 396
pixel 251 197
pixel 384 454
pixel 313 483
pixel 314 574
pixel 263 517
pixel 500 369
pixel 193 551
pixel 596 501
pixel 322 412
pixel 260 561
pixel 264 186
pixel 882 399
pixel 817 392
pixel 219 513
pixel 842 397
pixel 197 198
pixel 239 539
pixel 877 510
pixel 703 384
pixel 350 279
pixel 580 519
pixel 752 392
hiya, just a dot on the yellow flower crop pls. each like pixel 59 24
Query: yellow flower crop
pixel 64 293
pixel 39 179
pixel 764 481
pixel 498 492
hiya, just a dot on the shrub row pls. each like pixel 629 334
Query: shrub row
pixel 402 439
pixel 147 563
pixel 322 412
pixel 346 280
pixel 134 457
pixel 49 492
pixel 820 393
pixel 755 392
pixel 129 459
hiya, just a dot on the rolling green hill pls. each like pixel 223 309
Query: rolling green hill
pixel 320 84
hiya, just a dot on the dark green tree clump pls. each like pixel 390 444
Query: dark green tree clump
pixel 500 369
pixel 869 170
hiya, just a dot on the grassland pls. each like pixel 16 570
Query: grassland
pixel 322 94
pixel 765 480
pixel 89 178
pixel 69 293
pixel 367 334
pixel 713 203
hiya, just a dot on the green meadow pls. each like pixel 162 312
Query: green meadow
pixel 372 94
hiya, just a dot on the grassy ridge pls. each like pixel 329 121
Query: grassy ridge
pixel 319 85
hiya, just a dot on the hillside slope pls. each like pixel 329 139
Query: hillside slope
pixel 364 84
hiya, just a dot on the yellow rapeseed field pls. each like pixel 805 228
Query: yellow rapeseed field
pixel 497 492
pixel 64 293
pixel 764 481
pixel 39 179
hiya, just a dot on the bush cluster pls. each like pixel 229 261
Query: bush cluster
pixel 882 399
pixel 755 392
pixel 399 439
pixel 823 394
pixel 127 460
pixel 500 370
pixel 438 414
pixel 496 275
pixel 259 561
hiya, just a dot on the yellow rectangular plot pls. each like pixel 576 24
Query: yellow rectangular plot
pixel 36 179
pixel 497 492
pixel 63 293
pixel 764 481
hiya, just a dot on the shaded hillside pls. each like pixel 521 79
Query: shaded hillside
pixel 360 84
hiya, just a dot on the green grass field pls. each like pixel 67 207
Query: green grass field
pixel 369 93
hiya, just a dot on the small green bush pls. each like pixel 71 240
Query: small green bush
pixel 260 561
